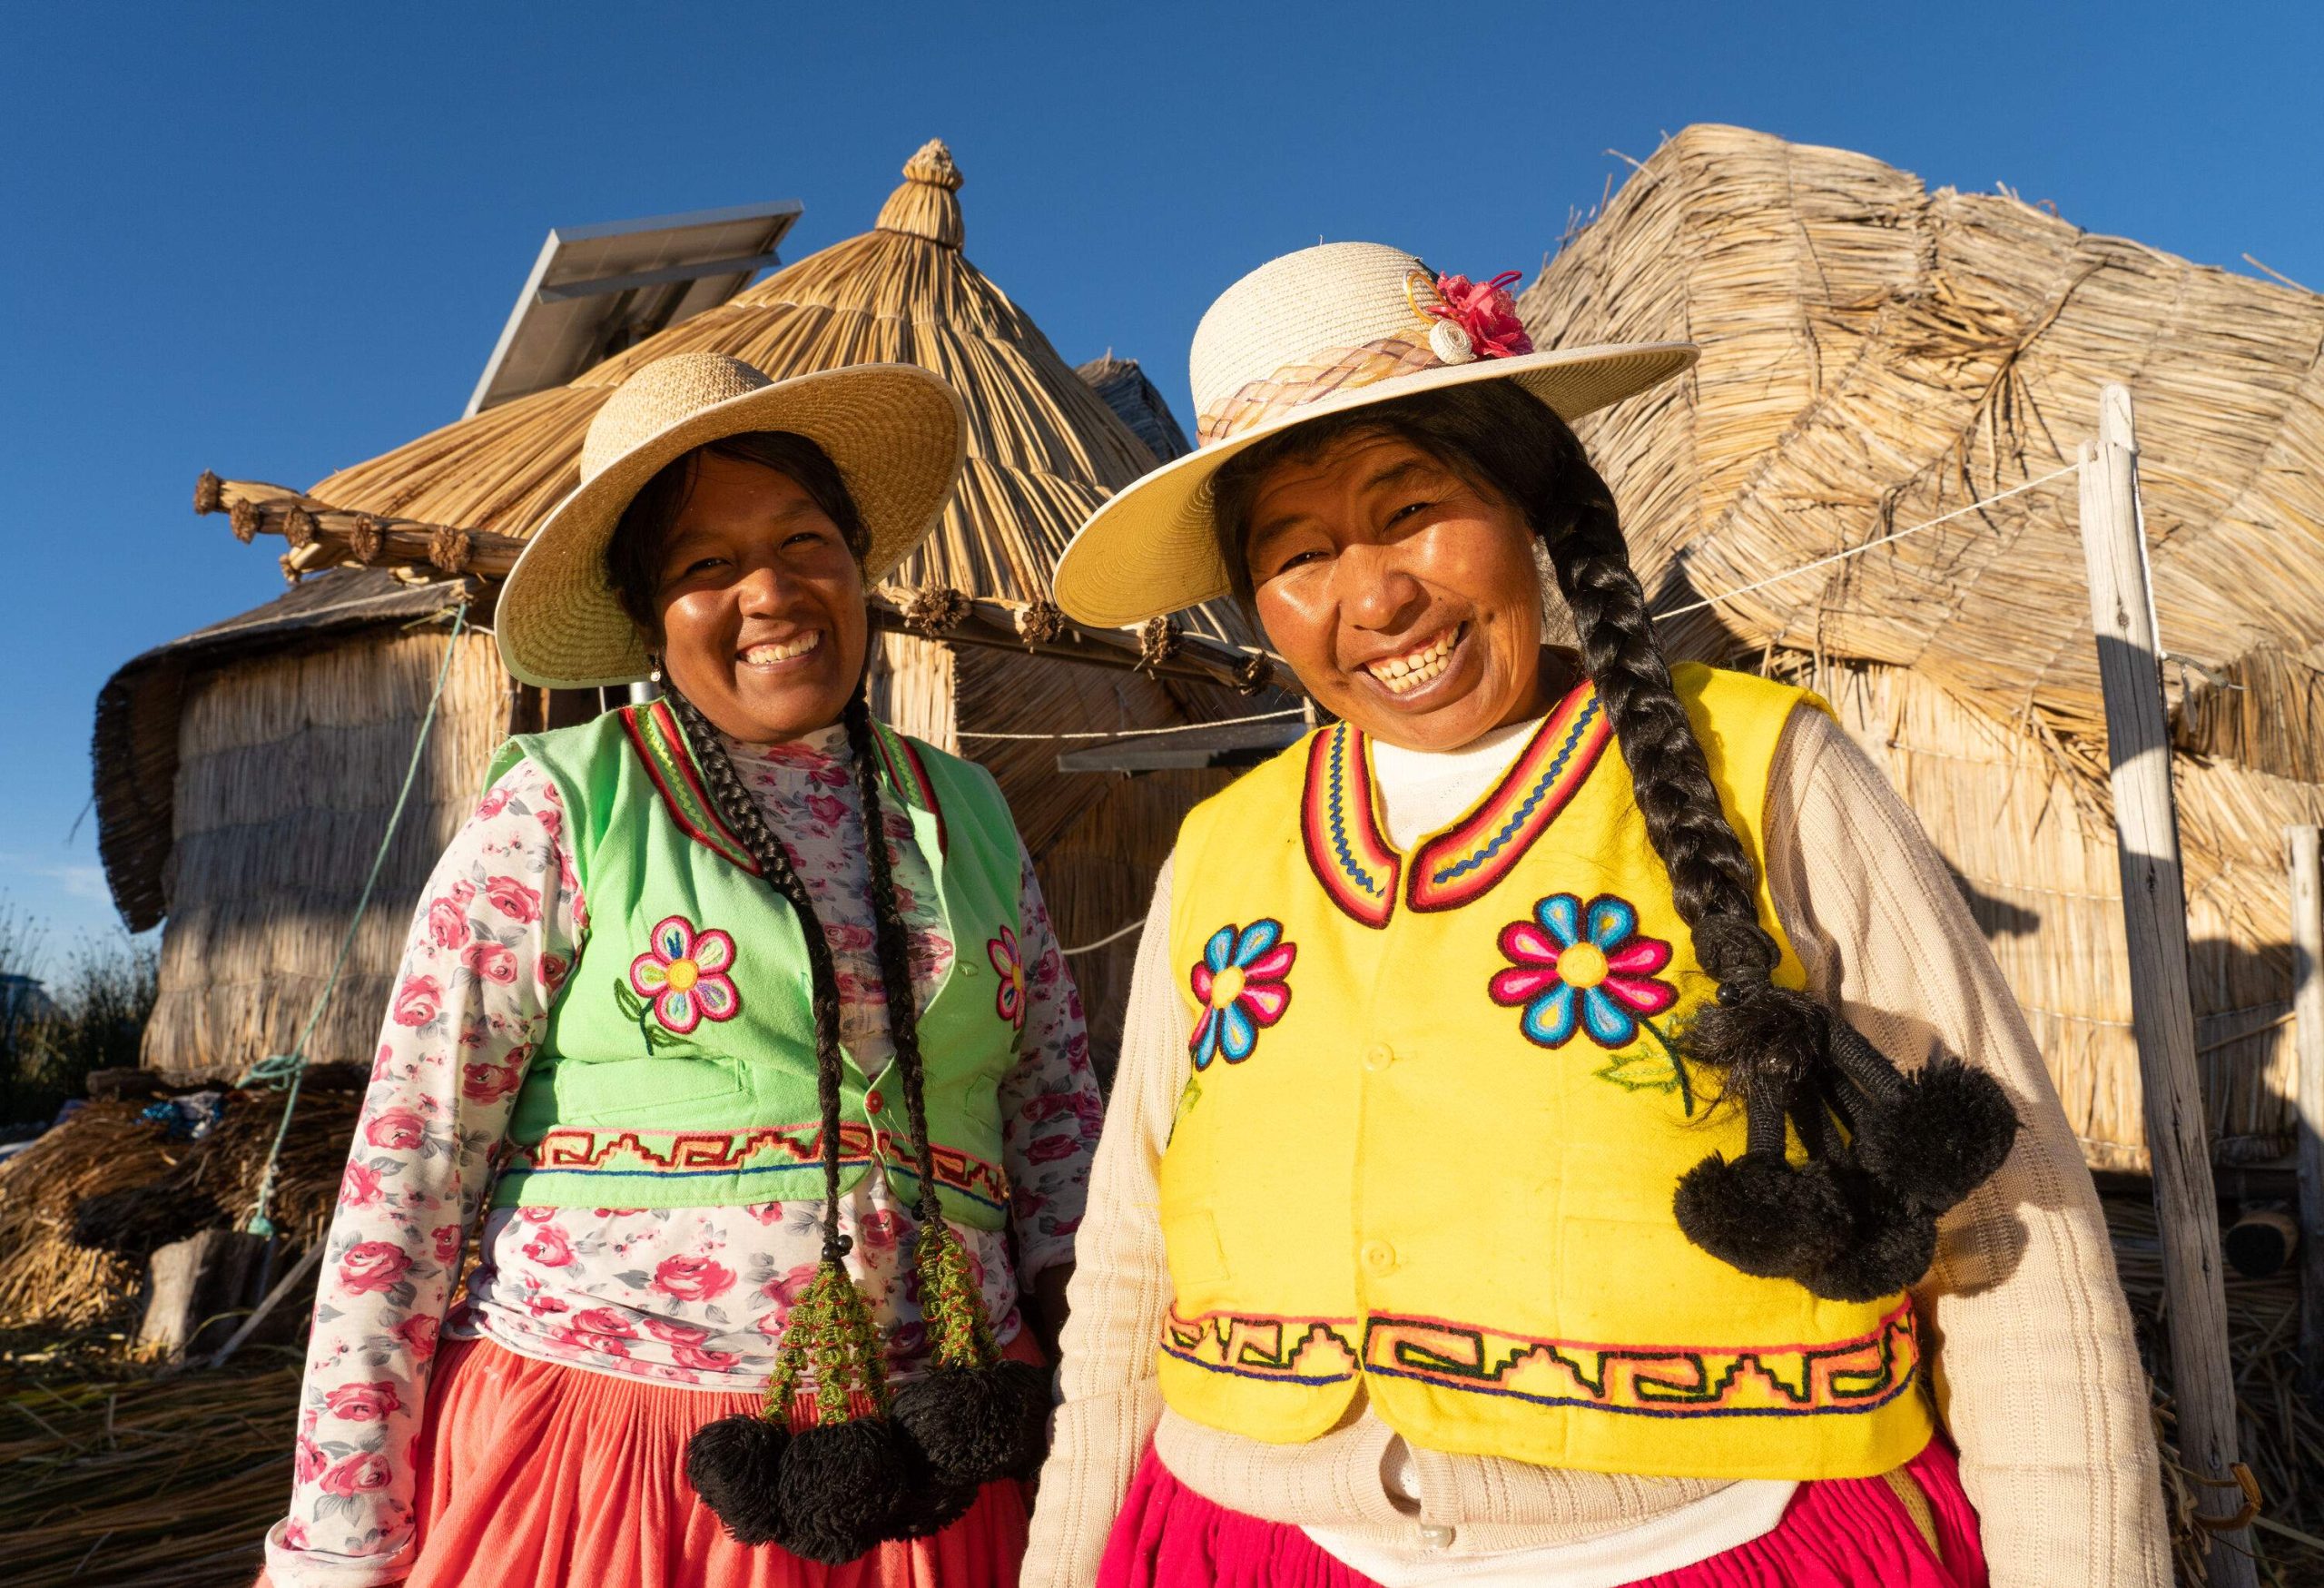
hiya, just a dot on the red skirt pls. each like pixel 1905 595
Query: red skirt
pixel 535 1475
pixel 1841 1533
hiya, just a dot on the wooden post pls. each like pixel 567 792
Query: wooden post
pixel 2162 1020
pixel 196 1286
pixel 2304 846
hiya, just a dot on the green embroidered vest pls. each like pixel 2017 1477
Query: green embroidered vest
pixel 677 1069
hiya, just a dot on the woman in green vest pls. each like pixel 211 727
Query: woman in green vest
pixel 738 1018
pixel 1570 1131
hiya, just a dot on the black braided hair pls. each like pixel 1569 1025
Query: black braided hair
pixel 1849 1221
pixel 742 816
pixel 969 1423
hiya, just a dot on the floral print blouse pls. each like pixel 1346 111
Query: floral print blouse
pixel 681 1296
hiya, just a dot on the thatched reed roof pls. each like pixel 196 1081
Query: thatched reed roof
pixel 1131 394
pixel 135 748
pixel 1044 448
pixel 1877 354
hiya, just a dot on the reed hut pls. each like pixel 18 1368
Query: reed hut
pixel 1877 355
pixel 1127 390
pixel 244 773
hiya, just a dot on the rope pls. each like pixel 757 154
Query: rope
pixel 1101 942
pixel 1869 545
pixel 1225 722
pixel 277 1069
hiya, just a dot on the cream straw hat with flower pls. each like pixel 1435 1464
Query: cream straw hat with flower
pixel 1320 331
pixel 897 433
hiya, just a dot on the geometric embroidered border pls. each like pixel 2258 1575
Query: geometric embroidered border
pixel 1279 1350
pixel 1837 1377
pixel 761 1150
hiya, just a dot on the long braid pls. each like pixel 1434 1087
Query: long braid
pixel 1757 1212
pixel 972 1417
pixel 743 817
pixel 893 945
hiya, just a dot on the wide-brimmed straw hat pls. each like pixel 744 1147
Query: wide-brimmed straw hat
pixel 1328 328
pixel 897 433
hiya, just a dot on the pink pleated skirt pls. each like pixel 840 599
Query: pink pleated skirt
pixel 535 1475
pixel 1842 1532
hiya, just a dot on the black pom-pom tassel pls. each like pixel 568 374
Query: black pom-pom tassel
pixel 928 1503
pixel 839 1485
pixel 735 1464
pixel 1762 1215
pixel 978 1423
pixel 1943 1137
pixel 1891 1242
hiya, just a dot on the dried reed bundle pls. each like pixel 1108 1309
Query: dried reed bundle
pixel 158 1481
pixel 215 1180
pixel 45 1281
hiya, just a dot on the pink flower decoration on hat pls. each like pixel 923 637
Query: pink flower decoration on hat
pixel 1485 313
pixel 683 975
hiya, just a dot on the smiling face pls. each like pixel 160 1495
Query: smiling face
pixel 1404 597
pixel 758 604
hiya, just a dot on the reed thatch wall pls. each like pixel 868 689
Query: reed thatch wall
pixel 288 767
pixel 1875 355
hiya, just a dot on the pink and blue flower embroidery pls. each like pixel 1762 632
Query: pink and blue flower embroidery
pixel 683 976
pixel 1240 983
pixel 1579 967
pixel 1009 964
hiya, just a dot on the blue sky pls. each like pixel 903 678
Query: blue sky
pixel 273 240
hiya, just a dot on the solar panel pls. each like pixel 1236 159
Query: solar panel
pixel 598 289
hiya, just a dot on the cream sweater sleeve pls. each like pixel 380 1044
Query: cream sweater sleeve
pixel 2036 1368
pixel 1121 1284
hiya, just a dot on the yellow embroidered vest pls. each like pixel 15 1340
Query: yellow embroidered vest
pixel 1436 1123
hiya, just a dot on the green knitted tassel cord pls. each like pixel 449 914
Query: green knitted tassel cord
pixel 974 1416
pixel 951 1305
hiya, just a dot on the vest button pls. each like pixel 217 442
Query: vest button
pixel 1379 1256
pixel 1435 1536
pixel 1379 1056
pixel 873 1102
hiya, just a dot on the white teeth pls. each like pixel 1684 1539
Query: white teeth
pixel 1404 674
pixel 763 654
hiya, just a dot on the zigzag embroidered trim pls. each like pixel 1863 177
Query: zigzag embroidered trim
pixel 1340 826
pixel 1843 1377
pixel 761 1150
pixel 1278 1350
pixel 655 734
pixel 1362 872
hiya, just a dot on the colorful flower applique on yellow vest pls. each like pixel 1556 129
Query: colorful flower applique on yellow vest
pixel 1436 1123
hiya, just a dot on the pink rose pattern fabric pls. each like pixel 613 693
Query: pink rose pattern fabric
pixel 693 1296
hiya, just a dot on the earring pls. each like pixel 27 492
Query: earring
pixel 653 675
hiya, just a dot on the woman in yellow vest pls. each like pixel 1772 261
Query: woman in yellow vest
pixel 737 1017
pixel 1544 1083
